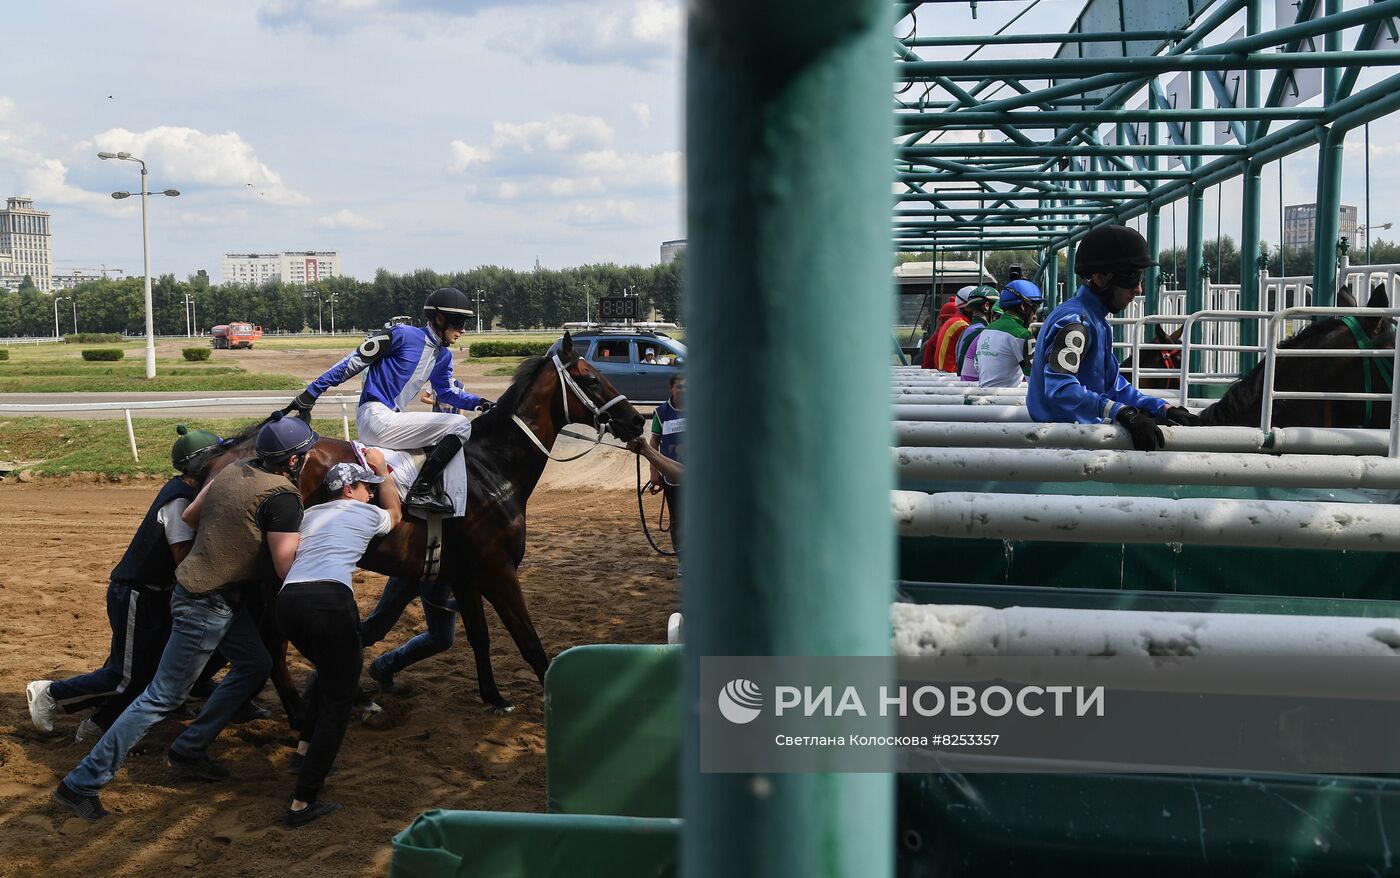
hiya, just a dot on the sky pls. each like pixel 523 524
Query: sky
pixel 412 134
pixel 404 134
pixel 1222 204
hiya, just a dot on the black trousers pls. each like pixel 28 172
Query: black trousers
pixel 672 493
pixel 323 623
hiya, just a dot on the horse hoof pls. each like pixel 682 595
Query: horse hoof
pixel 368 709
pixel 503 709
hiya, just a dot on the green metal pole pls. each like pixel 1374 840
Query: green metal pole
pixel 1195 229
pixel 777 561
pixel 1151 283
pixel 1251 197
pixel 1329 182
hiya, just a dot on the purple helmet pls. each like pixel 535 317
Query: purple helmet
pixel 282 437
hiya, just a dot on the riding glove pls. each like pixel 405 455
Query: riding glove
pixel 1181 417
pixel 301 406
pixel 484 406
pixel 1147 436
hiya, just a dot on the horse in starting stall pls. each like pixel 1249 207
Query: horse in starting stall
pixel 1241 404
pixel 481 552
pixel 1156 358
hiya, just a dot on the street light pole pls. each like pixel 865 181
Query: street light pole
pixel 56 300
pixel 332 301
pixel 145 253
pixel 478 311
pixel 74 301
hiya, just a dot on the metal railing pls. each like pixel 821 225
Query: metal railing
pixel 126 408
pixel 1274 352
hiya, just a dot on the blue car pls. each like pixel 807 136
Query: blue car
pixel 622 355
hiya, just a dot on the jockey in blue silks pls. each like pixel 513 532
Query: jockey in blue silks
pixel 398 360
pixel 1074 378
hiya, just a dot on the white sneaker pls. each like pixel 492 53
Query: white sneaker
pixel 41 706
pixel 87 729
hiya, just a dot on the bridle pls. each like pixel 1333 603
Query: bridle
pixel 1382 368
pixel 601 418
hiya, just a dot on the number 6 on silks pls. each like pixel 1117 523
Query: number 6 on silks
pixel 1067 349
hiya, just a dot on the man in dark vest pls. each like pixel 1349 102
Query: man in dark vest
pixel 247 518
pixel 668 437
pixel 138 603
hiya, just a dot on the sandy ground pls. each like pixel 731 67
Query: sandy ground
pixel 589 577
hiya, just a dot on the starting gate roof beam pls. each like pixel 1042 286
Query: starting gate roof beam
pixel 1024 39
pixel 1036 175
pixel 1031 120
pixel 1148 65
pixel 999 211
pixel 1056 150
pixel 1082 195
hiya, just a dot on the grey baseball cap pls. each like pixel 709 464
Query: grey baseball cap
pixel 343 474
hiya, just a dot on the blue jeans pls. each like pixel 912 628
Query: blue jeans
pixel 200 623
pixel 398 594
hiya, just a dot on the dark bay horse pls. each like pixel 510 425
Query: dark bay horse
pixel 1240 406
pixel 481 552
pixel 1154 358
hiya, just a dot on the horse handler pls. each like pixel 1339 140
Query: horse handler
pixel 1074 378
pixel 316 611
pixel 138 603
pixel 246 521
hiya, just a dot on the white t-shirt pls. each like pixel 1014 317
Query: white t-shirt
pixel 334 537
pixel 999 356
pixel 176 531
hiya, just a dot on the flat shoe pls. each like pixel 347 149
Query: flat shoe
pixel 309 813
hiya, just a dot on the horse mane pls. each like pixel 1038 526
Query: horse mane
pixel 1250 389
pixel 508 403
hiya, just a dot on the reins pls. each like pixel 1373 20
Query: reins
pixel 1365 342
pixel 600 420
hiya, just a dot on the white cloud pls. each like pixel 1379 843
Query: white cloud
pixel 608 212
pixel 636 33
pixel 642 111
pixel 565 155
pixel 348 219
pixel 187 158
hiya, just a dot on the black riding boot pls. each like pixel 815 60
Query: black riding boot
pixel 427 493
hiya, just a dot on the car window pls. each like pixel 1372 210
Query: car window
pixel 612 350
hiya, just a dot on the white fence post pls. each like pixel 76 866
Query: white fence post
pixel 131 435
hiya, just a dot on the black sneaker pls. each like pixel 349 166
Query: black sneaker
pixel 87 807
pixel 294 765
pixel 429 499
pixel 381 677
pixel 309 813
pixel 249 711
pixel 201 767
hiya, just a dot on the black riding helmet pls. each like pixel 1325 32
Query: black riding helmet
pixel 1107 249
pixel 451 303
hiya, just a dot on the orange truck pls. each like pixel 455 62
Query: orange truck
pixel 235 335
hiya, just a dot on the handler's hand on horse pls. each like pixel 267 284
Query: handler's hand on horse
pixel 636 445
pixel 1181 417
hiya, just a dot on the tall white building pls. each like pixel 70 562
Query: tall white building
pixel 25 244
pixel 289 266
pixel 671 249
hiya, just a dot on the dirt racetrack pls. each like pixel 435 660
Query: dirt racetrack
pixel 589 577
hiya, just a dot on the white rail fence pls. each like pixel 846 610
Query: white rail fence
pixel 127 407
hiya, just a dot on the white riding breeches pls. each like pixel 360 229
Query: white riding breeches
pixel 383 427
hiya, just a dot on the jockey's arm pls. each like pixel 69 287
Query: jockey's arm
pixel 1130 395
pixel 449 391
pixel 191 514
pixel 1065 393
pixel 376 346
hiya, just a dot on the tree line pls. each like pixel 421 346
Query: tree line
pixel 1222 260
pixel 509 298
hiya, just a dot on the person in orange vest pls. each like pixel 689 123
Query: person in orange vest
pixel 941 353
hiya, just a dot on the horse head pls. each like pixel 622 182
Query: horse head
pixel 590 398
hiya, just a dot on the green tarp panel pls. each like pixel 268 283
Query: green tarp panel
pixel 1151 601
pixel 498 844
pixel 1148 567
pixel 1145 825
pixel 612 722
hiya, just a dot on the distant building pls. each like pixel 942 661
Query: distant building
pixel 70 280
pixel 25 245
pixel 289 266
pixel 671 249
pixel 1300 225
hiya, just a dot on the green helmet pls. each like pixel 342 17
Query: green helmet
pixel 189 446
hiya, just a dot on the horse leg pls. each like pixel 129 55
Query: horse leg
pixel 474 621
pixel 509 604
